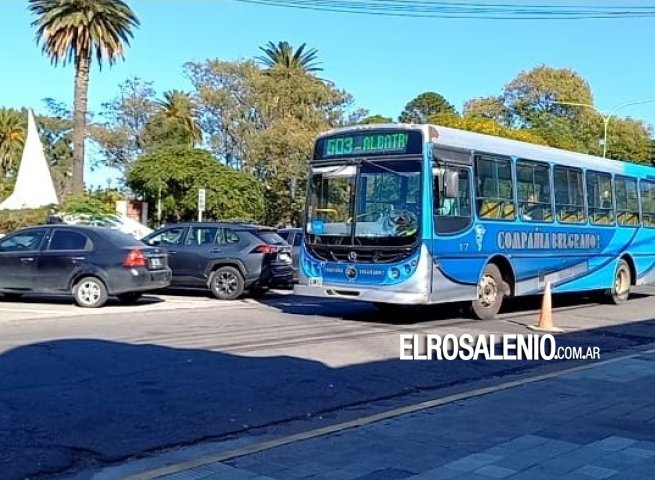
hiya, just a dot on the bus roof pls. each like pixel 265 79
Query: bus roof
pixel 463 139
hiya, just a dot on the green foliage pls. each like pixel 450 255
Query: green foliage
pixel 489 107
pixel 424 106
pixel 171 177
pixel 122 135
pixel 81 29
pixel 98 204
pixel 13 132
pixel 486 126
pixel 284 55
pixel 375 119
pixel 175 122
pixel 11 220
pixel 264 122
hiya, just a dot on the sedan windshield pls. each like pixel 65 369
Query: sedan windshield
pixel 367 203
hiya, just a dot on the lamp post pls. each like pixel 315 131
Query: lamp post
pixel 607 116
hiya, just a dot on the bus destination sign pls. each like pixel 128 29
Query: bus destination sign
pixel 371 143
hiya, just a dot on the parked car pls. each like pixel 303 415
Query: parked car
pixel 293 236
pixel 228 258
pixel 92 263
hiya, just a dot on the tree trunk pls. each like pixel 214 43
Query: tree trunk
pixel 79 122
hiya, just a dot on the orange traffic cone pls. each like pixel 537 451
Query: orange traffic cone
pixel 545 323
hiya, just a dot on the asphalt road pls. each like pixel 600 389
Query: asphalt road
pixel 82 389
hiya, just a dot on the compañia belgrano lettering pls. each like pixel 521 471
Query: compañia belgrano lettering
pixel 541 240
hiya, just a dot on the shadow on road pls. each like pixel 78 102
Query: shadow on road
pixel 77 403
pixel 28 299
pixel 366 312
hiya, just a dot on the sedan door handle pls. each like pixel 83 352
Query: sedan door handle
pixel 27 260
pixel 172 252
pixel 215 250
pixel 77 260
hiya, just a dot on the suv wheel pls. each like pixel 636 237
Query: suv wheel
pixel 90 292
pixel 226 283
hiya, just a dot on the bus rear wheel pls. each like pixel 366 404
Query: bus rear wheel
pixel 490 294
pixel 620 290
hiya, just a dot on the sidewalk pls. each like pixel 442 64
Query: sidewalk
pixel 593 423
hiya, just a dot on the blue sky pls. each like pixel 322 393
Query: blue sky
pixel 382 61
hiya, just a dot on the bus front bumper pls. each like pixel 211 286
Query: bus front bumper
pixel 363 294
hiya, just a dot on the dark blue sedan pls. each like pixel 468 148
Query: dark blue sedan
pixel 91 263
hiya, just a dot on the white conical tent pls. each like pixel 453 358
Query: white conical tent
pixel 34 187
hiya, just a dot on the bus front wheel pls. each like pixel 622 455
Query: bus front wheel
pixel 620 290
pixel 490 294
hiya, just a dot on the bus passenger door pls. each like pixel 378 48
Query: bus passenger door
pixel 455 244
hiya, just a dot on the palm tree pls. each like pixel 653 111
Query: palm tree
pixel 74 31
pixel 13 130
pixel 284 55
pixel 179 107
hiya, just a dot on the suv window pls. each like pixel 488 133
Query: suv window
pixel 67 240
pixel 271 238
pixel 171 236
pixel 227 236
pixel 21 242
pixel 201 236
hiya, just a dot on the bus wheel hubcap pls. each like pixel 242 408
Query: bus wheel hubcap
pixel 488 291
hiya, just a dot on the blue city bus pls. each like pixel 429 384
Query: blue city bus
pixel 423 214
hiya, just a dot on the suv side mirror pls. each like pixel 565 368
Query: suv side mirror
pixel 451 183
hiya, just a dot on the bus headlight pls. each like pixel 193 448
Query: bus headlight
pixel 395 273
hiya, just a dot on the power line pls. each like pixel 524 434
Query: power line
pixel 463 10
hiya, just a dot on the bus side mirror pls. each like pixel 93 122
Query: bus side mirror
pixel 451 183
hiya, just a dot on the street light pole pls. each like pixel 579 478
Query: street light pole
pixel 607 117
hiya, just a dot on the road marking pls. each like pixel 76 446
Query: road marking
pixel 360 422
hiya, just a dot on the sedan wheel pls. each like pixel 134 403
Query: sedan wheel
pixel 90 292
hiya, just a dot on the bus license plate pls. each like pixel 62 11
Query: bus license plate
pixel 315 282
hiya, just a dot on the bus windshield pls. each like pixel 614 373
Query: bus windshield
pixel 372 203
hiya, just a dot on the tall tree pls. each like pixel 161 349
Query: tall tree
pixel 264 122
pixel 284 55
pixel 75 31
pixel 425 105
pixel 178 109
pixel 122 133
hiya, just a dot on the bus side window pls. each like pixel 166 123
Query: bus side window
pixel 569 196
pixel 627 201
pixel 495 192
pixel 648 203
pixel 599 198
pixel 533 180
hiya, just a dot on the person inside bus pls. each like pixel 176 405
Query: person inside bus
pixel 532 209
